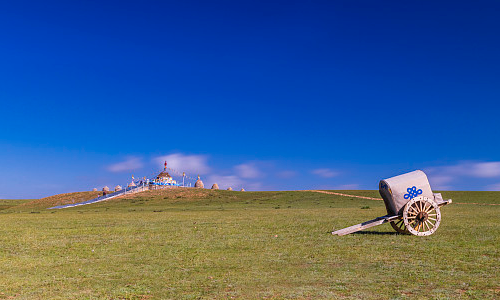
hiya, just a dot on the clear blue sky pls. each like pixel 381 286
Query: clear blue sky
pixel 269 95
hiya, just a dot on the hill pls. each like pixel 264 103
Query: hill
pixel 8 203
pixel 59 199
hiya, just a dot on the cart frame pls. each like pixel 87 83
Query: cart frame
pixel 419 216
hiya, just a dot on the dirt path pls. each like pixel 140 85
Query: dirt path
pixel 345 195
pixel 380 199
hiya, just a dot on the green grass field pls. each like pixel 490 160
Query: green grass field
pixel 203 244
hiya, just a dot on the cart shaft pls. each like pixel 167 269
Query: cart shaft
pixel 365 225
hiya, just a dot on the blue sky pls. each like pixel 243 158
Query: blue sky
pixel 271 95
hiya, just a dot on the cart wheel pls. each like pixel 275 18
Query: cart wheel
pixel 421 216
pixel 399 226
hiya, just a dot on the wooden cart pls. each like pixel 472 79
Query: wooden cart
pixel 411 206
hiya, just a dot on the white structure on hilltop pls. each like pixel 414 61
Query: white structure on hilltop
pixel 199 183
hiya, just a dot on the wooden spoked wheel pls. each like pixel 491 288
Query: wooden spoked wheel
pixel 421 216
pixel 399 226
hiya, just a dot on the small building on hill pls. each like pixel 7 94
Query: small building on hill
pixel 199 183
pixel 164 177
pixel 162 180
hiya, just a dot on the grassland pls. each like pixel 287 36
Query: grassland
pixel 203 244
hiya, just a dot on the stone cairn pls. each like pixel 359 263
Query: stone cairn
pixel 132 184
pixel 199 183
pixel 242 190
pixel 229 188
pixel 94 190
pixel 105 189
pixel 118 188
pixel 215 186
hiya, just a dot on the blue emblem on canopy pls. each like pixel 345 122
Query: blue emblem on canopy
pixel 412 192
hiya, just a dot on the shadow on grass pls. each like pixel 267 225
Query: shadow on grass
pixel 376 232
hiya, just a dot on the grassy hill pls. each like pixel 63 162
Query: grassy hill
pixel 204 244
pixel 8 203
pixel 60 199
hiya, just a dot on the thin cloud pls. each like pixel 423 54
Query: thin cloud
pixel 248 170
pixel 326 173
pixel 253 186
pixel 351 186
pixel 191 164
pixel 443 177
pixel 225 182
pixel 286 174
pixel 469 169
pixel 493 187
pixel 486 169
pixel 440 182
pixel 131 164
